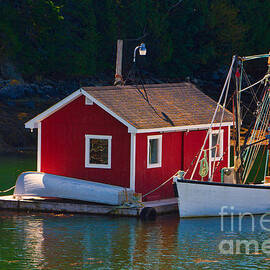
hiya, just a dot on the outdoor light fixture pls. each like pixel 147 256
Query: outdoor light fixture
pixel 142 51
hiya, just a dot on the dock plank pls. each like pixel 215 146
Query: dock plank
pixel 38 204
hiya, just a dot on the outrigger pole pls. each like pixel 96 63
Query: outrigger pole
pixel 252 57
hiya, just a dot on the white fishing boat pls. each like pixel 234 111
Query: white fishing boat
pixel 233 193
pixel 198 199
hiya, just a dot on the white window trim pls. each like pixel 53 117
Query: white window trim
pixel 87 151
pixel 158 164
pixel 221 139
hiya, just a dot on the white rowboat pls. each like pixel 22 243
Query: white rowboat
pixel 46 185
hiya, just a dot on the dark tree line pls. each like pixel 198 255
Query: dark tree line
pixel 71 38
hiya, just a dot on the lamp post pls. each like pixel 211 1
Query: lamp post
pixel 142 51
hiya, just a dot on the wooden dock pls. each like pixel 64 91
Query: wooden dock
pixel 147 210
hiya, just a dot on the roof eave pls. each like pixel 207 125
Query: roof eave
pixel 183 128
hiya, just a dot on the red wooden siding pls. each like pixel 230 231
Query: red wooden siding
pixel 63 143
pixel 178 152
pixel 149 178
pixel 193 141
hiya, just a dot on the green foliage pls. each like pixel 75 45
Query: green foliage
pixel 69 38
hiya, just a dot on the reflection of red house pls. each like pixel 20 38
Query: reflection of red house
pixel 122 136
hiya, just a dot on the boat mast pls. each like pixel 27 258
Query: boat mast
pixel 238 122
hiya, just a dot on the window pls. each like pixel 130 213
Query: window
pixel 216 144
pixel 154 151
pixel 98 151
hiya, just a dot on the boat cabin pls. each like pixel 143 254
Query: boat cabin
pixel 131 136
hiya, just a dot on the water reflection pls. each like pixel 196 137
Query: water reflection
pixel 49 241
pixel 33 241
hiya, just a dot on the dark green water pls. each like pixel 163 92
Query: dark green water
pixel 11 165
pixel 57 241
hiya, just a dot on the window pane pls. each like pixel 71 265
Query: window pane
pixel 153 151
pixel 214 143
pixel 98 151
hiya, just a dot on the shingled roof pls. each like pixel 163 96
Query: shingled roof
pixel 183 103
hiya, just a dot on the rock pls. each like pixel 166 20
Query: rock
pixel 47 89
pixel 12 91
pixel 49 82
pixel 17 91
pixel 8 71
pixel 34 86
pixel 30 104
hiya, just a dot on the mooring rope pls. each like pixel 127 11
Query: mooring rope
pixel 165 182
pixel 7 190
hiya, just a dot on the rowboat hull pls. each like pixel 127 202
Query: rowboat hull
pixel 36 184
pixel 199 199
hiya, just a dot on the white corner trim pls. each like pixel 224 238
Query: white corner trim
pixel 132 161
pixel 158 164
pixel 131 129
pixel 33 123
pixel 87 151
pixel 229 145
pixel 39 148
pixel 183 128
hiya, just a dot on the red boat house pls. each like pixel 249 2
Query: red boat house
pixel 134 137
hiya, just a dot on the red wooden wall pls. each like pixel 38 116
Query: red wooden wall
pixel 149 178
pixel 178 152
pixel 193 141
pixel 63 143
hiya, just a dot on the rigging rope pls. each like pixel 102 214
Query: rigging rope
pixel 260 127
pixel 265 77
pixel 212 122
pixel 219 130
pixel 261 123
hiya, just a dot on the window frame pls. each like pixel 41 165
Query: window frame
pixel 87 151
pixel 221 144
pixel 159 153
